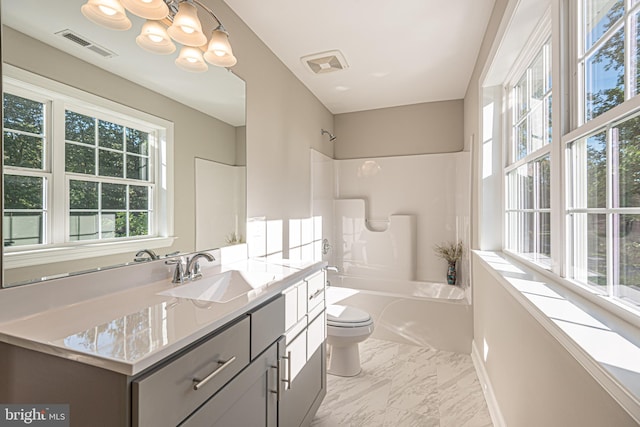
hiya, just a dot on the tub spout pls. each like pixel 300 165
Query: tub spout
pixel 332 268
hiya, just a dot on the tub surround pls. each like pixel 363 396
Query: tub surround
pixel 409 312
pixel 99 320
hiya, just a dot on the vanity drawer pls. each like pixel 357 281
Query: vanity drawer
pixel 267 325
pixel 315 290
pixel 168 395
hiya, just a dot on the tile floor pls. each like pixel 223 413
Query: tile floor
pixel 403 385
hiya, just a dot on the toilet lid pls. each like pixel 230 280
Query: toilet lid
pixel 342 315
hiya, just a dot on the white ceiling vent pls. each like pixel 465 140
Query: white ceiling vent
pixel 87 44
pixel 325 62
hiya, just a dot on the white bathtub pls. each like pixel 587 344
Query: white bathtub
pixel 419 313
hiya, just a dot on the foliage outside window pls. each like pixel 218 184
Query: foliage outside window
pixel 103 175
pixel 528 214
pixel 602 172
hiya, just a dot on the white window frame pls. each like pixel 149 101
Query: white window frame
pixel 161 173
pixel 538 39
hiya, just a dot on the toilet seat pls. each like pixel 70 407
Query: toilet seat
pixel 341 316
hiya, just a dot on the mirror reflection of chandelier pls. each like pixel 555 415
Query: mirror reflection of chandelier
pixel 168 21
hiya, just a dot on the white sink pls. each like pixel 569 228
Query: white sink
pixel 222 287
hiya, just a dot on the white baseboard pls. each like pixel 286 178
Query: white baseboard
pixel 492 403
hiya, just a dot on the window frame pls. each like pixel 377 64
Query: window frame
pixel 542 36
pixel 160 172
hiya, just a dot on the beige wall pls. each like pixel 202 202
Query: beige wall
pixel 434 127
pixel 283 122
pixel 195 135
pixel 535 380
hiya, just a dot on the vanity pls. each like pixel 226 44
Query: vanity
pixel 247 350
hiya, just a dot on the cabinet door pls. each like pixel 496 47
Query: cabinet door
pixel 249 400
pixel 299 403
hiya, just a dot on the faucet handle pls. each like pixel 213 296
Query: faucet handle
pixel 178 273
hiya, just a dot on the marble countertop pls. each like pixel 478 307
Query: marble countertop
pixel 130 330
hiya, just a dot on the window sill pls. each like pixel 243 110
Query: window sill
pixel 604 344
pixel 39 256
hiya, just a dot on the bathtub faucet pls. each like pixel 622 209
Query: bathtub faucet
pixel 332 268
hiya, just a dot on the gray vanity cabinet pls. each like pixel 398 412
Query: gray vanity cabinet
pixel 304 352
pixel 251 399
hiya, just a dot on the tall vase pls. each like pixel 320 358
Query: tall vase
pixel 451 273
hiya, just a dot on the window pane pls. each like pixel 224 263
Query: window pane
pixel 114 224
pixel 138 224
pixel 627 157
pixel 83 195
pixel 23 192
pixel 83 226
pixel 520 97
pixel 23 114
pixel 629 288
pixel 521 140
pixel 537 126
pixel 23 228
pixel 604 77
pixel 596 184
pixel 110 164
pixel 80 128
pixel 538 75
pixel 137 142
pixel 544 238
pixel 600 15
pixel 138 198
pixel 23 150
pixel 549 109
pixel 597 249
pixel 543 173
pixel 110 135
pixel 114 196
pixel 80 159
pixel 137 167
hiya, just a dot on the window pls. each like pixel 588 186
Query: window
pixel 528 214
pixel 80 169
pixel 602 172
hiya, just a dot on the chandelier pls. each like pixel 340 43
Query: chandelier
pixel 168 21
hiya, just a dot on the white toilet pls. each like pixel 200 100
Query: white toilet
pixel 346 327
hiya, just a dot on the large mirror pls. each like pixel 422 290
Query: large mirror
pixel 168 159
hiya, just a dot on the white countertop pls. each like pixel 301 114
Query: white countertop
pixel 130 330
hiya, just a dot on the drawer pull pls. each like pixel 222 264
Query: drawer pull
pixel 288 380
pixel 318 292
pixel 201 383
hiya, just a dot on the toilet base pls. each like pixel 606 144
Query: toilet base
pixel 344 360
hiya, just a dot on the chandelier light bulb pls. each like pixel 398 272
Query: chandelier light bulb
pixel 186 28
pixel 190 59
pixel 154 38
pixel 106 13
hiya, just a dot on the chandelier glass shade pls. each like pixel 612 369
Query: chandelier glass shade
pixel 168 21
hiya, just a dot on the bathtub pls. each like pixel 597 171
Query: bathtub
pixel 418 313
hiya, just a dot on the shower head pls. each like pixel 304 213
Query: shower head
pixel 332 137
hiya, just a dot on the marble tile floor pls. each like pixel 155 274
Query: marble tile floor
pixel 403 385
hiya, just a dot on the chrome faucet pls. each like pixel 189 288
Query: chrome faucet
pixel 193 265
pixel 178 273
pixel 140 256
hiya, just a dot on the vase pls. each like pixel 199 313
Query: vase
pixel 451 273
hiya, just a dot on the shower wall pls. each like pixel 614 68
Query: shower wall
pixel 433 188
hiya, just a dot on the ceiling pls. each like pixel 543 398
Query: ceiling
pixel 399 53
pixel 217 92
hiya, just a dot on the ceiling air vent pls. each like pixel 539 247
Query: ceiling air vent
pixel 325 62
pixel 87 44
